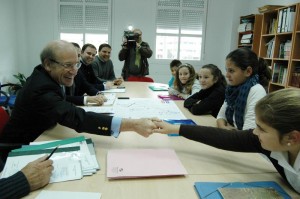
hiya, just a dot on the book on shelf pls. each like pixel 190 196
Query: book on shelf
pixel 291 18
pixel 295 80
pixel 279 73
pixel 270 48
pixel 286 19
pixel 275 73
pixel 243 27
pixel 246 39
pixel 287 49
pixel 273 25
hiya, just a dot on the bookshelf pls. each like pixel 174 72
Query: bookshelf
pixel 250 32
pixel 280 46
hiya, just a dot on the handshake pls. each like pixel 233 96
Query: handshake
pixel 147 126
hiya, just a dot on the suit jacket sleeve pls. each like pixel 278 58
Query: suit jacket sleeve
pixel 52 106
pixel 77 100
pixel 15 186
pixel 85 86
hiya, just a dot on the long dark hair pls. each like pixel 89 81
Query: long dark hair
pixel 217 73
pixel 244 57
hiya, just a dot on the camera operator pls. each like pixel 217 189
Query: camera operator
pixel 135 53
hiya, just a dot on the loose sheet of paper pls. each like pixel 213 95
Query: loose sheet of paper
pixel 144 107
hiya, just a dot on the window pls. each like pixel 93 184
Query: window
pixel 180 28
pixel 85 21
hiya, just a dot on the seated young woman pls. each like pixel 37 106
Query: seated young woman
pixel 185 83
pixel 212 94
pixel 247 77
pixel 277 134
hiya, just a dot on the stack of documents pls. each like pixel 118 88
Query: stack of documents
pixel 74 158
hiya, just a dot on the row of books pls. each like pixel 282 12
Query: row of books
pixel 285 49
pixel 273 25
pixel 246 39
pixel 286 19
pixel 279 74
pixel 243 27
pixel 270 48
pixel 295 77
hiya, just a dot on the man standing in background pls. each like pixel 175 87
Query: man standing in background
pixel 135 53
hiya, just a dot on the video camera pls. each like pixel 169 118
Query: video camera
pixel 131 38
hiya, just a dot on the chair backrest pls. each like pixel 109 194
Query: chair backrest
pixel 4 98
pixel 4 117
pixel 139 79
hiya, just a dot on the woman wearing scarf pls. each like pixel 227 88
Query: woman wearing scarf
pixel 247 77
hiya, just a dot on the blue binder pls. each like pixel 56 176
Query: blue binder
pixel 183 121
pixel 209 190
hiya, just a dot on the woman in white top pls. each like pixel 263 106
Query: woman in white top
pixel 247 76
pixel 186 82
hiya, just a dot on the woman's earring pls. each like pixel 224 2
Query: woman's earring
pixel 288 144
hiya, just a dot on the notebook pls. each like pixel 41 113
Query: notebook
pixel 183 121
pixel 159 87
pixel 141 163
pixel 213 190
pixel 169 97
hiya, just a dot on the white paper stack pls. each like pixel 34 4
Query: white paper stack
pixel 74 158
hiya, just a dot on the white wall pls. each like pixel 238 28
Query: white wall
pixel 30 24
pixel 8 50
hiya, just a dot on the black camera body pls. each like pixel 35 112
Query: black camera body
pixel 131 38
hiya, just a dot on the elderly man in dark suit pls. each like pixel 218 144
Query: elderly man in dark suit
pixel 41 104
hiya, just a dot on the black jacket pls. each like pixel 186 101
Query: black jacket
pixel 40 105
pixel 211 101
pixel 80 86
pixel 129 54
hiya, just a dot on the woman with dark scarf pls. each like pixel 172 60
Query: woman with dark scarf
pixel 247 77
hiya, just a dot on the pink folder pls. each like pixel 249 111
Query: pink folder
pixel 139 163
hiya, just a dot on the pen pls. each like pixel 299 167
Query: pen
pixel 52 152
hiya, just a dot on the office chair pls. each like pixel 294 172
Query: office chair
pixel 7 100
pixel 139 79
pixel 4 98
pixel 5 148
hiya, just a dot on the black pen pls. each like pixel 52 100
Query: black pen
pixel 52 152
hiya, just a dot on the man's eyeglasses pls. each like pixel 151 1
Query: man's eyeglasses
pixel 67 65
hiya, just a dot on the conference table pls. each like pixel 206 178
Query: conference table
pixel 203 163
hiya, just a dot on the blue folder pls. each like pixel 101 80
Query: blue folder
pixel 209 190
pixel 183 121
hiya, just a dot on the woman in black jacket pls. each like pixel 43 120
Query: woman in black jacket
pixel 211 96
